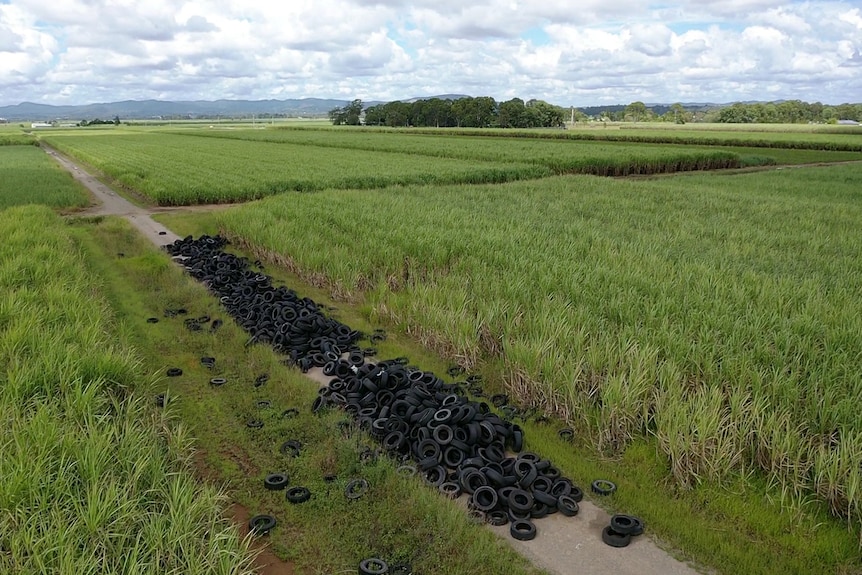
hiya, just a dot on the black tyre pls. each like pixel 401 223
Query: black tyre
pixel 567 505
pixel 174 372
pixel 262 524
pixel 298 495
pixel 291 448
pixel 614 539
pixel 520 501
pixel 275 481
pixel 356 488
pixel 484 498
pixel 523 530
pixel 218 381
pixel 577 493
pixel 497 517
pixel 627 525
pixel 603 487
pixel 450 489
pixel 406 470
pixel 373 566
pixel 254 423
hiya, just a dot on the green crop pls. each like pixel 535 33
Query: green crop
pixel 29 176
pixel 92 478
pixel 175 169
pixel 720 314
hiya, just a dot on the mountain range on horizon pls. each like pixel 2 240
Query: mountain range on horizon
pixel 162 109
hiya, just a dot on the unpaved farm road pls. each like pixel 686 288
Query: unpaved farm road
pixel 563 546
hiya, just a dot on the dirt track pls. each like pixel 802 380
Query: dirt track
pixel 564 545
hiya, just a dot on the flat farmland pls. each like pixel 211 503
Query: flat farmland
pixel 176 169
pixel 718 314
pixel 559 156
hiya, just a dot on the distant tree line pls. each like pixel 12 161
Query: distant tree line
pixel 98 122
pixel 788 112
pixel 485 112
pixel 480 112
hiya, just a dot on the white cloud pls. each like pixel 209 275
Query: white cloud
pixel 74 51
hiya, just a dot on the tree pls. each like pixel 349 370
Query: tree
pixel 678 113
pixel 351 114
pixel 511 113
pixel 637 110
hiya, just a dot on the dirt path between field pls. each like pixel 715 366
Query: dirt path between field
pixel 563 546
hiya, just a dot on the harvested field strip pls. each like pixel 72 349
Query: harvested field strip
pixel 561 157
pixel 29 176
pixel 720 314
pixel 178 170
pixel 93 478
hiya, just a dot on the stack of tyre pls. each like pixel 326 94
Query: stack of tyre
pixel 458 445
pixel 275 315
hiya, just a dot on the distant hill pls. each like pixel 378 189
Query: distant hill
pixel 659 109
pixel 440 97
pixel 146 109
pixel 309 107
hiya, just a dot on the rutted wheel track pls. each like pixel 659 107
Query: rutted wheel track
pixel 565 545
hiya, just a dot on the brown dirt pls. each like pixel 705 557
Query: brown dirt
pixel 266 562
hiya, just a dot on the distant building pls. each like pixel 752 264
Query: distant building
pixel 847 123
pixel 41 125
pixel 4 121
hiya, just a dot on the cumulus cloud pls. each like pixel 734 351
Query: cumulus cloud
pixel 75 51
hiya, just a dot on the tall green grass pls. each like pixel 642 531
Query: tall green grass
pixel 174 169
pixel 846 140
pixel 92 478
pixel 720 314
pixel 7 139
pixel 29 176
pixel 560 156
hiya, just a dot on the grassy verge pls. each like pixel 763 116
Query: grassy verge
pixel 92 478
pixel 400 520
pixel 29 176
pixel 697 318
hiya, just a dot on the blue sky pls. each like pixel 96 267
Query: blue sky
pixel 593 52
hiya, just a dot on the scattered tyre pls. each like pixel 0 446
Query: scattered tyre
pixel 523 530
pixel 297 495
pixel 373 566
pixel 261 524
pixel 174 372
pixel 603 487
pixel 355 489
pixel 291 448
pixel 614 539
pixel 626 525
pixel 275 481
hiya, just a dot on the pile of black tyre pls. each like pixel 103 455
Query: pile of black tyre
pixel 275 315
pixel 458 445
